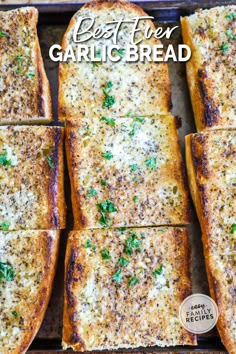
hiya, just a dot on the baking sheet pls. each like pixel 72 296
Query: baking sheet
pixel 52 26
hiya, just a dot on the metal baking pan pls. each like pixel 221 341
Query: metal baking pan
pixel 53 20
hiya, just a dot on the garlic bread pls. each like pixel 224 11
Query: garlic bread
pixel 31 176
pixel 92 89
pixel 25 96
pixel 126 172
pixel 27 267
pixel 211 70
pixel 221 272
pixel 211 165
pixel 123 288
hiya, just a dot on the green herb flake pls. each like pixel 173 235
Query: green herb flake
pixel 120 52
pixel 162 230
pixel 134 167
pixel 217 142
pixel 108 100
pixel 109 121
pixel 143 235
pixel 107 155
pixel 31 75
pixel 117 276
pixel 104 221
pixel 132 243
pixel 50 162
pixel 133 130
pixel 6 272
pixel 2 34
pixel 135 199
pixel 4 226
pixel 233 229
pixel 15 314
pixel 121 230
pixel 88 244
pixel 139 120
pixel 134 179
pixel 130 113
pixel 158 271
pixel 103 183
pixel 123 262
pixel 105 254
pixel 92 192
pixel 108 88
pixel 107 207
pixel 4 161
pixel 133 281
pixel 224 47
pixel 231 16
pixel 230 34
pixel 152 163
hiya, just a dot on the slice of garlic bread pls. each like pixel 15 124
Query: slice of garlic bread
pixel 27 267
pixel 221 272
pixel 126 172
pixel 31 176
pixel 24 88
pixel 123 288
pixel 91 89
pixel 211 70
pixel 211 165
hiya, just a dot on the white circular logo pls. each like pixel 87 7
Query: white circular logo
pixel 198 313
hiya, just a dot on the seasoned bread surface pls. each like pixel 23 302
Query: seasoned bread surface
pixel 137 308
pixel 211 164
pixel 211 70
pixel 126 172
pixel 31 172
pixel 141 87
pixel 24 88
pixel 28 258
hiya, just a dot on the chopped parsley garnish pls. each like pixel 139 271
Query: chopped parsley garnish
pixel 217 142
pixel 103 182
pixel 233 230
pixel 4 226
pixel 105 254
pixel 50 162
pixel 162 230
pixel 109 121
pixel 4 160
pixel 224 47
pixel 152 163
pixel 132 243
pixel 107 155
pixel 134 179
pixel 133 281
pixel 106 207
pixel 2 34
pixel 97 55
pixel 117 276
pixel 158 271
pixel 129 113
pixel 6 272
pixel 92 192
pixel 231 16
pixel 15 314
pixel 88 244
pixel 139 120
pixel 31 75
pixel 142 235
pixel 135 199
pixel 134 167
pixel 123 262
pixel 108 100
pixel 121 230
pixel 19 59
pixel 133 130
pixel 120 52
pixel 230 34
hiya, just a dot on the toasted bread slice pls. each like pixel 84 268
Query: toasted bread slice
pixel 136 307
pixel 27 267
pixel 211 165
pixel 221 272
pixel 134 165
pixel 211 70
pixel 24 88
pixel 141 87
pixel 31 173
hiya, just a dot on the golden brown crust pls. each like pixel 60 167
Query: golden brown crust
pixel 81 84
pixel 143 194
pixel 210 71
pixel 122 309
pixel 33 256
pixel 32 182
pixel 25 96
